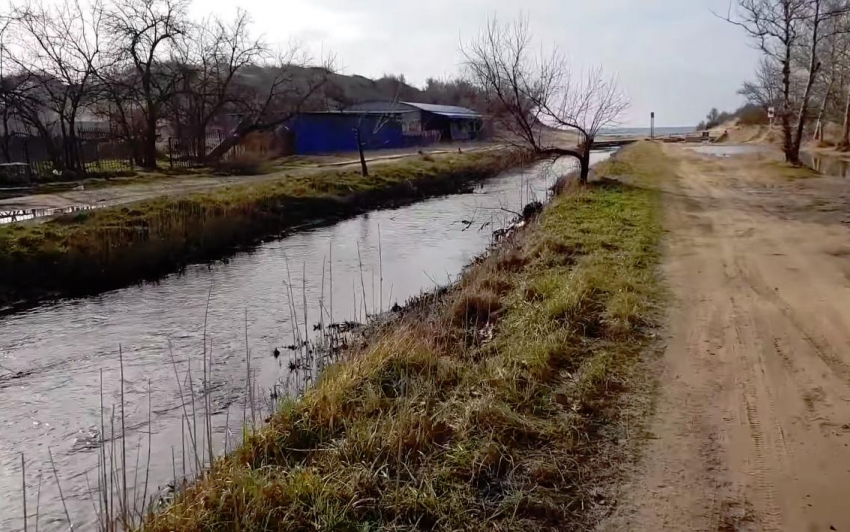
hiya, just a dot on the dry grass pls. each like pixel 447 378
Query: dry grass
pixel 104 248
pixel 485 411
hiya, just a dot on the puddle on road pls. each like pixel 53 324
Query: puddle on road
pixel 823 164
pixel 727 150
pixel 826 165
pixel 21 215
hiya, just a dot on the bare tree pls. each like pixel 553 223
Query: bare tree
pixel 216 52
pixel 59 49
pixel 14 97
pixel 144 74
pixel 766 90
pixel 835 48
pixel 538 95
pixel 272 93
pixel 842 61
pixel 782 29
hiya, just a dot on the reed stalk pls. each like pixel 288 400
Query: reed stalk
pixel 24 488
pixel 38 498
pixel 59 486
pixel 123 438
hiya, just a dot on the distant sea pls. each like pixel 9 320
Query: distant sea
pixel 644 131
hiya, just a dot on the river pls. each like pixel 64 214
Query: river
pixel 52 356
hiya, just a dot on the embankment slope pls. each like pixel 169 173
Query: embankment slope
pixel 501 405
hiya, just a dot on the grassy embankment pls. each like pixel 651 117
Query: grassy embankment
pixel 100 249
pixel 491 409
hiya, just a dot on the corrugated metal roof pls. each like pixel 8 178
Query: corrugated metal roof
pixel 445 110
pixel 380 107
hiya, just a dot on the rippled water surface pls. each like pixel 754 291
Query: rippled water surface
pixel 53 356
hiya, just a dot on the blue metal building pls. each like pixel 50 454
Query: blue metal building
pixel 382 125
pixel 316 133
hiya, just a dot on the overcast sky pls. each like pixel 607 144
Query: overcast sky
pixel 672 56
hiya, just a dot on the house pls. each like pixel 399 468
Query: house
pixel 446 122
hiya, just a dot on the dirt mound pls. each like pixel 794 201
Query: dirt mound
pixel 739 134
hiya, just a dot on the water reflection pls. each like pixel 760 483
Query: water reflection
pixel 724 150
pixel 21 215
pixel 826 165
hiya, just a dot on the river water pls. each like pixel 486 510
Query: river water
pixel 53 356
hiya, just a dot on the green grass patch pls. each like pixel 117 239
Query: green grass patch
pixel 94 250
pixel 790 172
pixel 488 410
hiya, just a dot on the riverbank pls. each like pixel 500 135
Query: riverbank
pixel 95 250
pixel 500 405
pixel 109 192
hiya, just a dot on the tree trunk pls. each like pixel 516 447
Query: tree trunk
pixel 201 144
pixel 233 139
pixel 6 138
pixel 74 150
pixel 804 110
pixel 584 163
pixel 819 126
pixel 845 134
pixel 787 141
pixel 364 170
pixel 814 66
pixel 149 147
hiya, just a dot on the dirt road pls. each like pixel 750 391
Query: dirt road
pixel 752 427
pixel 121 193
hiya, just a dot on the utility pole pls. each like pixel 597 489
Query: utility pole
pixel 652 126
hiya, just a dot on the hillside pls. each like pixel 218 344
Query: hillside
pixel 342 90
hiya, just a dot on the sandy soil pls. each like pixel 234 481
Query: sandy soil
pixel 120 194
pixel 752 426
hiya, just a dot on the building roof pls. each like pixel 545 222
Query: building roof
pixel 380 107
pixel 386 107
pixel 451 111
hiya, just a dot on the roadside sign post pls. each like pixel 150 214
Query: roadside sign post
pixel 652 126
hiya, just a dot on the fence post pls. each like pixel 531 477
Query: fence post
pixel 81 158
pixel 27 156
pixel 170 154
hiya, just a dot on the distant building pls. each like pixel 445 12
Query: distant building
pixel 381 125
pixel 449 122
pixel 314 133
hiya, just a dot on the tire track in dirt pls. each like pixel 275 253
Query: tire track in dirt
pixel 771 516
pixel 757 357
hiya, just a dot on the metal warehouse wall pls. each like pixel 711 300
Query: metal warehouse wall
pixel 331 132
